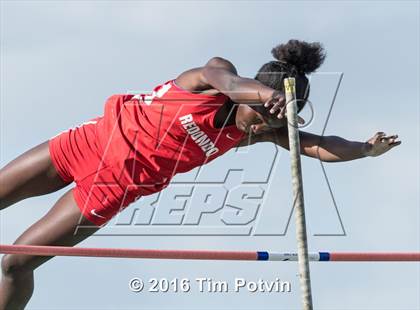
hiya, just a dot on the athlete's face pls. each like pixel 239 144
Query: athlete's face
pixel 248 120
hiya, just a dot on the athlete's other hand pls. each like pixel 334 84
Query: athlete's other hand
pixel 380 143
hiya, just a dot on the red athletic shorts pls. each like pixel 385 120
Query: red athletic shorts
pixel 77 156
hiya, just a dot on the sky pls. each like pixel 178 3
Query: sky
pixel 60 60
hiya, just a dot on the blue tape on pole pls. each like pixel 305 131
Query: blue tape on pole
pixel 262 255
pixel 324 256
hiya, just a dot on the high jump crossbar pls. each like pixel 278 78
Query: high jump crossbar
pixel 209 255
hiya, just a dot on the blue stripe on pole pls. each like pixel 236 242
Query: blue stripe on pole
pixel 324 256
pixel 262 255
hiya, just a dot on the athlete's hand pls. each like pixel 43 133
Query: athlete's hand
pixel 277 104
pixel 380 143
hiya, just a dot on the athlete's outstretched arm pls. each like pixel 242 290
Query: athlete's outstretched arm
pixel 221 75
pixel 333 148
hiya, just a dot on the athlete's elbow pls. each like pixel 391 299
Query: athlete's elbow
pixel 318 153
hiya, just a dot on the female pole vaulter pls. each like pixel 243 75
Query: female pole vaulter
pixel 143 140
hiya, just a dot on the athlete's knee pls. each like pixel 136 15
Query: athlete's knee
pixel 15 266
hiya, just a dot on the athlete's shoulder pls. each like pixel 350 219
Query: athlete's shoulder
pixel 222 63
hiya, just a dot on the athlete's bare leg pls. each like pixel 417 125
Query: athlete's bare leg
pixel 30 174
pixel 33 174
pixel 57 227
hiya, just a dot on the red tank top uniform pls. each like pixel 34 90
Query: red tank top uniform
pixel 139 144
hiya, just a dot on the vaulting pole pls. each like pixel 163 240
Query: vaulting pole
pixel 298 202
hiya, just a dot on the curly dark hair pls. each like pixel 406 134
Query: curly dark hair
pixel 293 59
